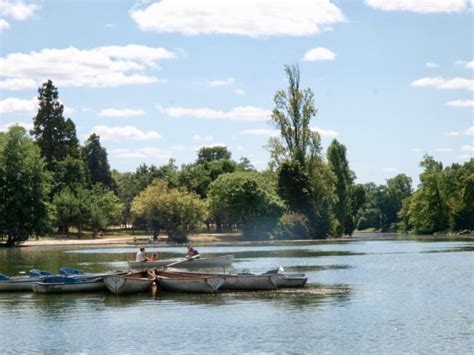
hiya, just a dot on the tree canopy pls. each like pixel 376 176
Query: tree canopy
pixel 24 187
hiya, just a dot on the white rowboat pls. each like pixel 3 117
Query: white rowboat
pixel 239 282
pixel 194 263
pixel 136 282
pixel 188 284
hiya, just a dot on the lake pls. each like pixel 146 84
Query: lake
pixel 390 295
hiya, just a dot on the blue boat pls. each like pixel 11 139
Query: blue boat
pixel 22 283
pixel 63 284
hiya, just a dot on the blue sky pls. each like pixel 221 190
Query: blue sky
pixel 393 79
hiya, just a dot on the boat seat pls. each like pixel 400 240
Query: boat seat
pixel 39 273
pixel 70 271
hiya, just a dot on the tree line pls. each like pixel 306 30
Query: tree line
pixel 50 183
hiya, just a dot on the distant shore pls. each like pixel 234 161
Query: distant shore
pixel 223 239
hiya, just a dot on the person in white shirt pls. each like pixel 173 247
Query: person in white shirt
pixel 141 255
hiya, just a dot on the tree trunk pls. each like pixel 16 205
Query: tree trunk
pixel 10 241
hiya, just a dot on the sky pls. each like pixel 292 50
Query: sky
pixel 393 79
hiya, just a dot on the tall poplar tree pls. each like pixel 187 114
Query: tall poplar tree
pixel 344 181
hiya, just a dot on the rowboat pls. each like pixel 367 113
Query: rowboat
pixel 63 284
pixel 239 282
pixel 79 274
pixel 22 283
pixel 176 282
pixel 289 279
pixel 136 282
pixel 194 263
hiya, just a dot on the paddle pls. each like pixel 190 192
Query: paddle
pixel 180 261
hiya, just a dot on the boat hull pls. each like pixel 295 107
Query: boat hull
pixel 130 283
pixel 95 285
pixel 219 261
pixel 238 282
pixel 18 284
pixel 190 285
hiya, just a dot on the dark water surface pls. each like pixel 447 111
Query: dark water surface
pixel 387 296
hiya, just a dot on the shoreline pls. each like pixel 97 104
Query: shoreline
pixel 228 239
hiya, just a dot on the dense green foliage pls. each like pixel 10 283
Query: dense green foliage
pixel 444 199
pixel 24 188
pixel 382 203
pixel 246 200
pixel 344 179
pixel 54 182
pixel 97 165
pixel 179 212
pixel 55 135
pixel 305 181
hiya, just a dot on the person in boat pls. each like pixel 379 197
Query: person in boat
pixel 192 253
pixel 154 257
pixel 141 255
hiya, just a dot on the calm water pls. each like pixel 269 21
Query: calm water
pixel 388 296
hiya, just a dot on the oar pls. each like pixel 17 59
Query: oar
pixel 180 261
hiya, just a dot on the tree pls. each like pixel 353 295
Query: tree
pixel 177 211
pixel 246 199
pixel 24 188
pixel 95 158
pixel 344 182
pixel 95 208
pixel 292 115
pixel 208 154
pixel 55 136
pixel 210 164
pixel 296 154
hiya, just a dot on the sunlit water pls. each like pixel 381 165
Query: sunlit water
pixel 388 296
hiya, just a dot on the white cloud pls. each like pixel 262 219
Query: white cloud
pixel 6 126
pixel 238 17
pixel 325 132
pixel 261 132
pixel 18 84
pixel 431 65
pixel 226 82
pixel 467 132
pixel 15 105
pixel 27 107
pixel 125 112
pixel 71 67
pixel 240 92
pixel 420 6
pixel 445 84
pixel 197 137
pixel 124 132
pixel 148 152
pixel 239 113
pixel 318 54
pixel 443 150
pixel 469 65
pixel 4 25
pixel 465 64
pixel 468 148
pixel 461 103
pixel 17 10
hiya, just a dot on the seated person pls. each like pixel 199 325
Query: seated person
pixel 154 257
pixel 141 255
pixel 192 253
